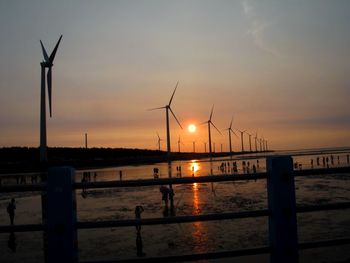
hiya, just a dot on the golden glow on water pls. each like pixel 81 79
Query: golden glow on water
pixel 199 232
pixel 194 167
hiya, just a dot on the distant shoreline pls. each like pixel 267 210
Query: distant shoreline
pixel 26 159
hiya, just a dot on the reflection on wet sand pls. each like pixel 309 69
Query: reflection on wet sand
pixel 194 167
pixel 200 232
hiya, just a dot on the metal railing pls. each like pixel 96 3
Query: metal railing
pixel 282 210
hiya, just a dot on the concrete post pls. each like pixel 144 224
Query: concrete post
pixel 61 216
pixel 281 202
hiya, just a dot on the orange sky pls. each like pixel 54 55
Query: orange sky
pixel 281 69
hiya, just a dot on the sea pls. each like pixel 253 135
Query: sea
pixel 191 199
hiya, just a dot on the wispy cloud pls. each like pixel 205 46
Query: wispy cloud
pixel 257 28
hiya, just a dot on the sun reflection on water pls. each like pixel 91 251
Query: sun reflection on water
pixel 194 167
pixel 199 232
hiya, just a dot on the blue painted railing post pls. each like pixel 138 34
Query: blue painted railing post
pixel 61 216
pixel 283 232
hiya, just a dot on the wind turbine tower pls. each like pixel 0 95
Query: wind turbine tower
pixel 47 63
pixel 256 138
pixel 167 109
pixel 242 132
pixel 250 141
pixel 229 135
pixel 159 139
pixel 209 133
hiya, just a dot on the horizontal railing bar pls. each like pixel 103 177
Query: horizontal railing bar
pixel 192 257
pixel 173 180
pixel 21 228
pixel 324 243
pixel 177 219
pixel 319 171
pixel 22 188
pixel 172 220
pixel 322 207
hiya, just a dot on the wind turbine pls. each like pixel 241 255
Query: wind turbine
pixel 86 140
pixel 250 141
pixel 159 139
pixel 242 132
pixel 229 134
pixel 210 123
pixel 256 138
pixel 205 146
pixel 47 63
pixel 266 145
pixel 167 108
pixel 260 141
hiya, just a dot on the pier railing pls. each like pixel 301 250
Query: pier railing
pixel 60 221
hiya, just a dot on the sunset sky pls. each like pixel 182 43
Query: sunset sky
pixel 281 68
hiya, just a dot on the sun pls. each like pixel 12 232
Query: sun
pixel 192 128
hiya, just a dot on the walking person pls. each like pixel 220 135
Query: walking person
pixel 11 207
pixel 138 211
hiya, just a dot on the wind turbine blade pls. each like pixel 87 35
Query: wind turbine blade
pixel 46 57
pixel 175 117
pixel 234 133
pixel 211 113
pixel 172 96
pixel 53 54
pixel 49 88
pixel 158 136
pixel 216 128
pixel 231 123
pixel 157 108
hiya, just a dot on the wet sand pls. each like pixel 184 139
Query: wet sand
pixel 187 238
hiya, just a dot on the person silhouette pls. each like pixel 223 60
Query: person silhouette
pixel 11 207
pixel 139 246
pixel 138 211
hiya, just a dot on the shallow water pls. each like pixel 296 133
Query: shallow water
pixel 187 238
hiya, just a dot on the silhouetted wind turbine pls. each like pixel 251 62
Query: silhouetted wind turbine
pixel 266 145
pixel 260 141
pixel 205 146
pixel 210 123
pixel 256 138
pixel 242 132
pixel 167 108
pixel 47 63
pixel 263 144
pixel 159 139
pixel 229 134
pixel 250 141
